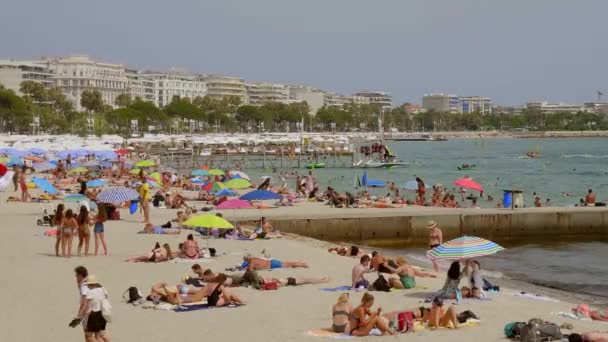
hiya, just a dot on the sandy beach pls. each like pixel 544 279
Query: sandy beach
pixel 41 295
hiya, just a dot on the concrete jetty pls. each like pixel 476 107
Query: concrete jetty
pixel 407 226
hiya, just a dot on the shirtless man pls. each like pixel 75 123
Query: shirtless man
pixel 252 278
pixel 232 280
pixel 590 198
pixel 378 261
pixel 253 263
pixel 358 271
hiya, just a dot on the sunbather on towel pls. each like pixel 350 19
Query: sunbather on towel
pixel 252 278
pixel 232 280
pixel 158 254
pixel 253 263
pixel 149 228
pixel 176 295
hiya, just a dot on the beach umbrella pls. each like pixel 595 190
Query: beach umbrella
pixel 234 204
pixel 237 183
pixel 216 172
pixel 34 159
pixel 208 221
pixel 96 183
pixel 468 183
pixel 145 163
pixel 121 151
pixel 260 195
pixel 36 151
pixel 117 195
pixel 106 155
pixel 135 171
pixel 239 174
pixel 156 177
pixel 15 161
pixel 213 186
pixel 106 164
pixel 225 192
pixel 3 170
pixel 75 198
pixel 79 169
pixel 200 172
pixel 44 185
pixel 464 247
pixel 44 166
pixel 197 180
pixel 204 167
pixel 4 159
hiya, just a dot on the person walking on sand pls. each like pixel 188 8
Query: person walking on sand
pixel 98 230
pixel 91 311
pixel 25 194
pixel 435 239
pixel 144 194
pixel 590 198
pixel 81 273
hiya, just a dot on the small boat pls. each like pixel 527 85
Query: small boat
pixel 315 165
pixel 372 164
pixel 466 167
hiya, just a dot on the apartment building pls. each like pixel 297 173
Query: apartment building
pixel 13 72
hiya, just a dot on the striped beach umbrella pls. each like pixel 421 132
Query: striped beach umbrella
pixel 117 195
pixel 464 247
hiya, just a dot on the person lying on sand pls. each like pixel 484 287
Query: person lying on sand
pixel 232 280
pixel 253 263
pixel 352 251
pixel 176 295
pixel 149 228
pixel 158 254
pixel 406 275
pixel 583 310
pixel 252 278
pixel 588 337
pixel 363 320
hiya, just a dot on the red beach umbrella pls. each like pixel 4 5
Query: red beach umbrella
pixel 122 152
pixel 3 170
pixel 468 183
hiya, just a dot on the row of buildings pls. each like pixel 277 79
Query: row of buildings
pixel 75 74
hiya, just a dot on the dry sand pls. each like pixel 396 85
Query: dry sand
pixel 40 295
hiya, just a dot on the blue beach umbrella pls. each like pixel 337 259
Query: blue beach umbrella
pixel 36 150
pixel 464 247
pixel 200 172
pixel 117 195
pixel 96 183
pixel 14 161
pixel 197 180
pixel 225 192
pixel 260 195
pixel 44 185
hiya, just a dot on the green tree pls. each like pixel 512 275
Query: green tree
pixel 92 101
pixel 123 100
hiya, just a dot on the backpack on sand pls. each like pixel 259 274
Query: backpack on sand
pixel 132 296
pixel 381 284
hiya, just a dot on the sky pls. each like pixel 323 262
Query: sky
pixel 513 51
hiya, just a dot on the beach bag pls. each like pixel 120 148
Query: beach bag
pixel 269 286
pixel 466 315
pixel 513 329
pixel 536 331
pixel 132 295
pixel 133 207
pixel 405 321
pixel 106 309
pixel 381 284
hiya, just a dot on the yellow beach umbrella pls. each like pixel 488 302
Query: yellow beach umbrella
pixel 216 172
pixel 79 169
pixel 237 183
pixel 145 163
pixel 208 221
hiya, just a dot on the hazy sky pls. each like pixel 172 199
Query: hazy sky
pixel 511 50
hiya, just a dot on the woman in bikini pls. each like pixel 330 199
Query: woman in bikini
pixel 218 295
pixel 340 313
pixel 435 239
pixel 57 222
pixel 99 228
pixel 84 230
pixel 158 254
pixel 68 227
pixel 190 249
pixel 407 275
pixel 363 320
pixel 25 195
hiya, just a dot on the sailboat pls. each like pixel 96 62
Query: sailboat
pixel 390 160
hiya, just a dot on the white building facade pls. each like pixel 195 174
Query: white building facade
pixel 13 73
pixel 546 107
pixel 219 87
pixel 74 75
pixel 261 92
pixel 454 104
pixel 472 104
pixel 384 99
pixel 315 98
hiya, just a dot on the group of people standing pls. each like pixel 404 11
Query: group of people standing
pixel 70 224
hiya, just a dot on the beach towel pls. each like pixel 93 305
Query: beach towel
pixel 328 333
pixel 571 315
pixel 419 326
pixel 190 261
pixel 337 288
pixel 196 307
pixel 535 296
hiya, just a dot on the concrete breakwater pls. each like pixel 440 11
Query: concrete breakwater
pixel 509 227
